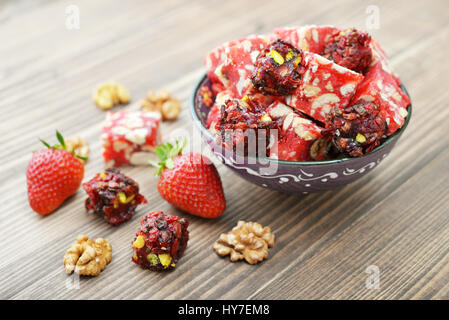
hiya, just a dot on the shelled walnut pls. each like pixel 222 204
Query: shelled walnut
pixel 163 102
pixel 248 240
pixel 77 145
pixel 109 94
pixel 320 149
pixel 86 257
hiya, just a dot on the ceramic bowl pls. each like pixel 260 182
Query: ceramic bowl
pixel 292 176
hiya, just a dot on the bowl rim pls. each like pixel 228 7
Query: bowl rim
pixel 389 140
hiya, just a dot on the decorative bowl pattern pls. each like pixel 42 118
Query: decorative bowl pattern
pixel 291 176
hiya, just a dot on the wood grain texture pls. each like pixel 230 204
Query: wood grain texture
pixel 396 217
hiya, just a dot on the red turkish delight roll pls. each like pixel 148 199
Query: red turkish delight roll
pixel 307 38
pixel 324 86
pixel 296 136
pixel 161 241
pixel 130 137
pixel 379 55
pixel 231 64
pixel 113 195
pixel 382 89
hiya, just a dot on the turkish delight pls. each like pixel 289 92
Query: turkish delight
pixel 324 86
pixel 130 137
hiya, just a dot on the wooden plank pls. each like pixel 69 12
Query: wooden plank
pixel 400 235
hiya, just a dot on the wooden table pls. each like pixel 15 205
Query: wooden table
pixel 395 218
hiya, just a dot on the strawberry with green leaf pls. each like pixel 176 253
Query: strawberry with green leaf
pixel 189 182
pixel 53 175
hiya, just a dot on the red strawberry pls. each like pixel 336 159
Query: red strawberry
pixel 53 175
pixel 190 182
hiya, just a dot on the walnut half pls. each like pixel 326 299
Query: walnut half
pixel 86 257
pixel 162 102
pixel 78 146
pixel 109 94
pixel 248 240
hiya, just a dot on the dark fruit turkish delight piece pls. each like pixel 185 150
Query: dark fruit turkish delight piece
pixel 113 195
pixel 350 49
pixel 239 119
pixel 356 129
pixel 381 88
pixel 161 241
pixel 278 69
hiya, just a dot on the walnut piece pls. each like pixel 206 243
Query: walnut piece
pixel 248 240
pixel 163 102
pixel 86 257
pixel 78 146
pixel 319 149
pixel 110 94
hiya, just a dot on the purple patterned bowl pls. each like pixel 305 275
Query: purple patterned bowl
pixel 291 176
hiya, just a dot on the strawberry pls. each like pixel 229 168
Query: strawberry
pixel 53 175
pixel 189 182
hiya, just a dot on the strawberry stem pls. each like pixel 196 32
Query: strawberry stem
pixel 45 143
pixel 61 140
pixel 80 157
pixel 166 152
pixel 62 146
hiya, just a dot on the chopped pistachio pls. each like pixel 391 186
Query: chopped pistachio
pixel 297 61
pixel 342 33
pixel 131 197
pixel 277 57
pixel 165 259
pixel 139 242
pixel 152 258
pixel 122 197
pixel 265 118
pixel 360 138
